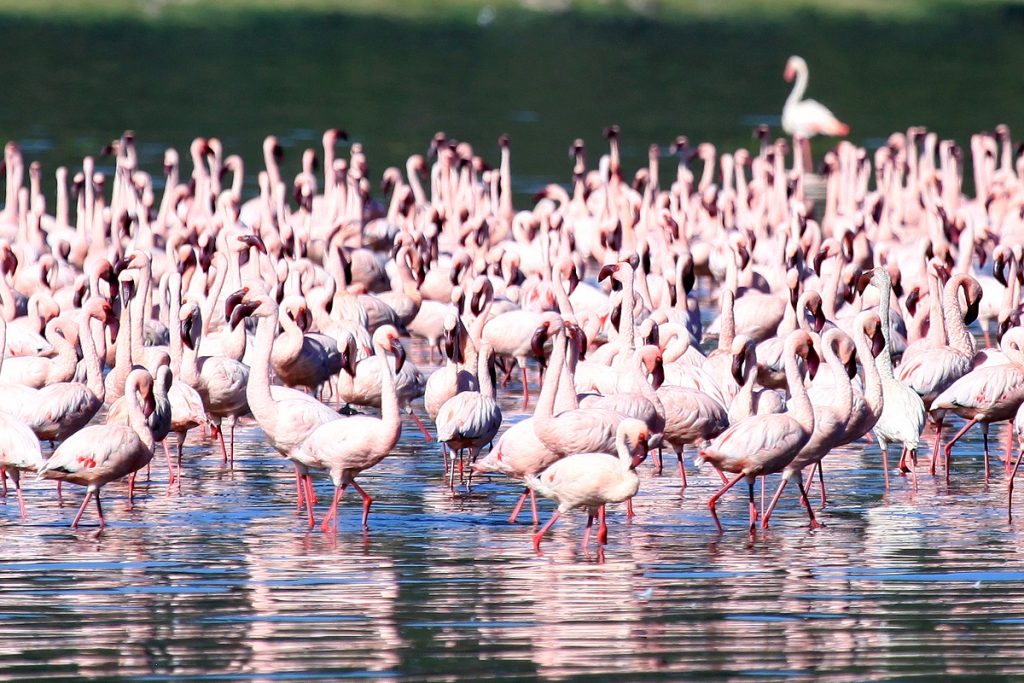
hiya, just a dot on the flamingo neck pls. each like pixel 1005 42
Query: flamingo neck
pixel 872 379
pixel 93 370
pixel 799 405
pixel 483 372
pixel 842 394
pixel 959 338
pixel 936 316
pixel 137 418
pixel 884 360
pixel 799 87
pixel 549 389
pixel 257 391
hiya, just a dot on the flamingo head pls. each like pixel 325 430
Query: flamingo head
pixel 349 354
pixel 252 240
pixel 577 336
pixel 539 338
pixel 814 307
pixel 189 326
pixel 803 346
pixel 872 326
pixel 387 339
pixel 743 357
pixel 972 293
pixel 450 338
pixel 654 364
pixel 793 65
pixel 636 433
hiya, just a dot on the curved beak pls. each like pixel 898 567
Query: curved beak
pixel 399 351
pixel 658 373
pixel 348 357
pixel 231 301
pixel 813 362
pixel 240 311
pixel 607 271
pixel 186 332
pixel 641 453
pixel 973 308
pixel 540 336
pixel 149 405
pixel 254 241
pixel 851 366
pixel 877 341
pixel 819 318
pixel 863 281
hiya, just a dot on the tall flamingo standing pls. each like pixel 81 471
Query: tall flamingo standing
pixel 807 118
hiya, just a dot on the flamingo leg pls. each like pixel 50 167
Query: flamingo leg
pixel 586 534
pixel 231 456
pixel 419 423
pixel 367 502
pixel 721 474
pixel 682 467
pixel 3 478
pixel 803 495
pixel 885 462
pixel 753 506
pixel 526 389
pixel 519 506
pixel 629 508
pixel 956 437
pixel 131 491
pixel 1009 494
pixel 778 494
pixel 81 510
pixel 220 435
pixel 984 436
pixel 718 494
pixel 181 446
pixel 17 487
pixel 1009 446
pixel 658 463
pixel 543 530
pixel 937 444
pixel 60 494
pixel 310 498
pixel 602 526
pixel 298 489
pixel 170 465
pixel 332 513
pixel 533 507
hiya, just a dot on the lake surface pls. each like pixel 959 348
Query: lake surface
pixel 223 580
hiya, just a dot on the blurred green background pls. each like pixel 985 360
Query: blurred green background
pixel 78 72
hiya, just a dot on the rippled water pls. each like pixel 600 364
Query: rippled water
pixel 223 580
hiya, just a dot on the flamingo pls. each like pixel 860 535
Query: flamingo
pixel 592 480
pixel 19 451
pixel 352 445
pixel 765 444
pixel 807 118
pixel 987 394
pixel 471 419
pixel 99 454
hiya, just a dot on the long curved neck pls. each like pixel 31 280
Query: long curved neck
pixel 627 328
pixel 291 337
pixel 799 405
pixel 936 315
pixel 884 360
pixel 959 338
pixel 93 370
pixel 799 88
pixel 67 356
pixel 257 391
pixel 546 402
pixel 872 379
pixel 137 418
pixel 389 400
pixel 483 373
pixel 622 449
pixel 565 397
pixel 842 392
pixel 173 309
pixel 728 328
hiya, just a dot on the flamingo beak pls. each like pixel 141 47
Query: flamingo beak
pixel 973 308
pixel 851 367
pixel 241 311
pixel 863 281
pixel 121 264
pixel 737 367
pixel 233 300
pixel 819 319
pixel 877 341
pixel 607 272
pixel 186 333
pixel 348 358
pixel 399 351
pixel 689 278
pixel 540 336
pixel 813 362
pixel 641 452
pixel 149 405
pixel 254 241
pixel 658 373
pixel 574 280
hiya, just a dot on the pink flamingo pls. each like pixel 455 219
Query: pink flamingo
pixel 352 445
pixel 592 480
pixel 807 118
pixel 765 444
pixel 99 454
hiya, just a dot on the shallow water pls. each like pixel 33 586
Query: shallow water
pixel 222 579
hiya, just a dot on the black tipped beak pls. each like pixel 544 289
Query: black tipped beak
pixel 574 280
pixel 240 311
pixel 877 341
pixel 658 374
pixel 973 309
pixel 399 351
pixel 863 281
pixel 689 278
pixel 127 292
pixel 736 368
pixel 813 362
pixel 121 264
pixel 607 272
pixel 819 319
pixel 851 367
pixel 540 336
pixel 744 256
pixel 233 300
pixel 348 358
pixel 819 258
pixel 254 241
pixel 186 333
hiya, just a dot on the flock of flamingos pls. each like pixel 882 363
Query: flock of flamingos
pixel 132 312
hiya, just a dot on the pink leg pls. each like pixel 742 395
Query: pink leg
pixel 937 444
pixel 332 513
pixel 533 507
pixel 60 494
pixel 526 389
pixel 1009 495
pixel 223 447
pixel 718 494
pixel 721 474
pixel 885 464
pixel 629 508
pixel 298 489
pixel 131 491
pixel 586 534
pixel 181 446
pixel 803 496
pixel 682 467
pixel 543 530
pixel 519 506
pixel 367 502
pixel 984 436
pixel 658 463
pixel 78 517
pixel 310 498
pixel 775 499
pixel 170 465
pixel 753 506
pixel 21 498
pixel 602 527
pixel 419 423
pixel 1009 446
pixel 231 456
pixel 956 437
pixel 3 478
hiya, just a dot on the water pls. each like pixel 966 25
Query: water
pixel 222 579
